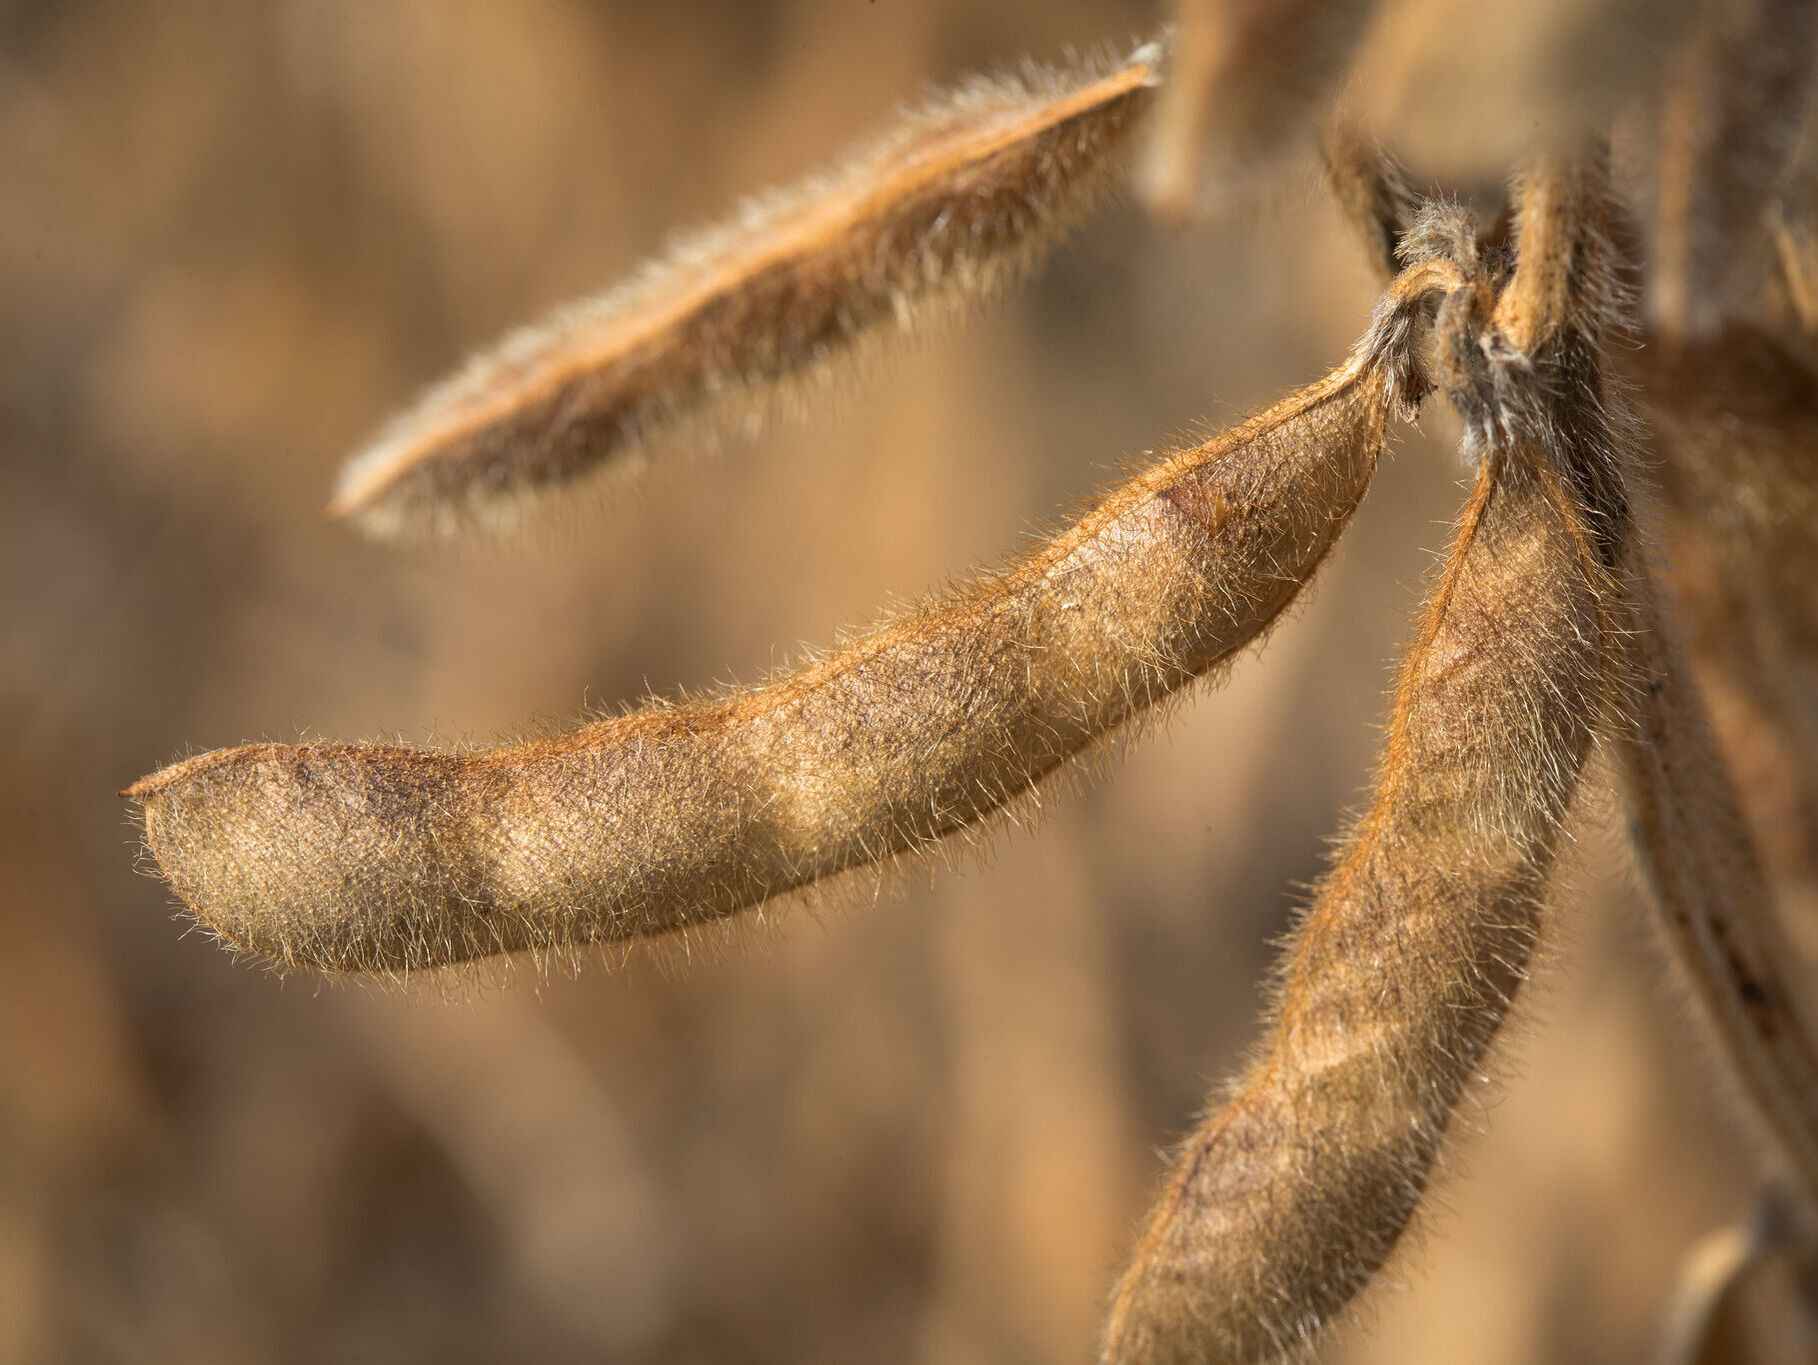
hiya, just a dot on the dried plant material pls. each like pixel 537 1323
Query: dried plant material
pixel 1716 912
pixel 963 196
pixel 1371 192
pixel 1562 295
pixel 1715 908
pixel 1735 410
pixel 1545 629
pixel 1746 1292
pixel 1793 230
pixel 384 858
pixel 1698 1331
pixel 1730 125
pixel 1294 1192
pixel 1465 90
pixel 1244 78
pixel 1735 422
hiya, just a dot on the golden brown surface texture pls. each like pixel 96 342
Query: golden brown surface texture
pixel 916 1127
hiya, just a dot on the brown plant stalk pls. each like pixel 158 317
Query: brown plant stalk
pixel 1247 78
pixel 1370 191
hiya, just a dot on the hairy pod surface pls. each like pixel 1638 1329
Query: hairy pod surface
pixel 1734 410
pixel 1715 908
pixel 960 198
pixel 380 857
pixel 1292 1194
pixel 1735 428
pixel 1295 1191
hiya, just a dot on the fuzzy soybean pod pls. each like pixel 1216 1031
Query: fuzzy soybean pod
pixel 1296 1189
pixel 958 200
pixel 377 857
pixel 1735 427
pixel 1715 908
pixel 1714 905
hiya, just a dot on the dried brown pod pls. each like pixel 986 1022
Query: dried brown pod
pixel 374 857
pixel 1756 687
pixel 1713 898
pixel 1292 1193
pixel 1297 1189
pixel 1716 912
pixel 964 195
pixel 1733 405
pixel 1735 427
pixel 382 857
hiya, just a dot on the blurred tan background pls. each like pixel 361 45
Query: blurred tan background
pixel 918 1126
